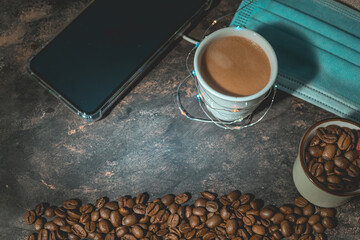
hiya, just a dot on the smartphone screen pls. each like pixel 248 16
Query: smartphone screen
pixel 89 62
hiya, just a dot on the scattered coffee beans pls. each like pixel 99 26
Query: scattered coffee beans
pixel 233 216
pixel 332 158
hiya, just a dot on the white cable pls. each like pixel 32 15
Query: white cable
pixel 190 40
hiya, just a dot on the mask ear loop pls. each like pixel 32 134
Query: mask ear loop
pixel 231 125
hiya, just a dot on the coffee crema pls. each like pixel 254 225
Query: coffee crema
pixel 235 66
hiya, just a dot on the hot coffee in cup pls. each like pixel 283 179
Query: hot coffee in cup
pixel 235 69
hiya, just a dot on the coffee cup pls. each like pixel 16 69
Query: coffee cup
pixel 220 101
pixel 306 183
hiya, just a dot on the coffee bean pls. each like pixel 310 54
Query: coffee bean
pixel 208 195
pixel 308 210
pixel 327 212
pixel 249 220
pixel 314 219
pixel 168 199
pixel 86 208
pixel 329 166
pixel 344 141
pixel 299 228
pixel 90 226
pixel 109 236
pixel 43 235
pixel 51 226
pixel 301 220
pixel 50 211
pixel 30 217
pixel 325 136
pixel 285 228
pixel 129 220
pixel 212 206
pixel 341 162
pixel 305 237
pixel 72 236
pixel 39 224
pixel 353 171
pixel 277 218
pixel 105 226
pixel 266 213
pixel 71 204
pixel 111 205
pixel 78 230
pixel 100 202
pixel 245 198
pixel 152 209
pixel 318 227
pixel 182 198
pixel 104 213
pixel 60 212
pixel 137 231
pixel 30 237
pixel 258 229
pixel 300 202
pixel 329 151
pixel 328 222
pixel 315 151
pixel 213 221
pixel 66 228
pixel 320 236
pixel 40 209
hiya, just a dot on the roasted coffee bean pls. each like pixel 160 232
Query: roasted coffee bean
pixel 301 220
pixel 314 219
pixel 124 211
pixel 320 236
pixel 40 209
pixel 71 221
pixel 300 202
pixel 121 231
pixel 286 209
pixel 351 155
pixel 249 220
pixel 111 205
pixel 299 228
pixel 315 151
pixel 245 198
pixel 60 212
pixel 66 228
pixel 308 210
pixel 285 228
pixel 90 226
pixel 30 237
pixel 30 217
pixel 152 209
pixel 182 198
pixel 109 236
pixel 104 226
pixel 327 212
pixel 317 169
pixel 51 226
pixel 129 220
pixel 115 218
pixel 95 216
pixel 173 220
pixel 52 236
pixel 78 230
pixel 39 224
pixel 318 227
pixel 258 229
pixel 329 166
pixel 344 141
pixel 353 171
pixel 85 217
pixel 233 195
pixel 71 204
pixel 50 211
pixel 328 222
pixel 305 237
pixel 137 231
pixel 86 208
pixel 104 213
pixel 277 218
pixel 168 199
pixel 341 162
pixel 72 236
pixel 333 179
pixel 213 221
pixel 266 213
pixel 325 136
pixel 212 206
pixel 329 151
pixel 100 202
pixel 43 235
pixel 208 195
pixel 199 211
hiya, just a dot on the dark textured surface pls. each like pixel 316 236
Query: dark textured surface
pixel 49 154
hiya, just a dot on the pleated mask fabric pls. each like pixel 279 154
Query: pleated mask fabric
pixel 317 43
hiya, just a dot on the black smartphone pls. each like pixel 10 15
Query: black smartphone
pixel 95 59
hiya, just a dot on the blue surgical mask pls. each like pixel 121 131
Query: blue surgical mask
pixel 317 43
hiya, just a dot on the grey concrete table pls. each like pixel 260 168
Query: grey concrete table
pixel 48 154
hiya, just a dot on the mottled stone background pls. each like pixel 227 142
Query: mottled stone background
pixel 48 154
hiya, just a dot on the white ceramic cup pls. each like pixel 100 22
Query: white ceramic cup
pixel 306 184
pixel 230 108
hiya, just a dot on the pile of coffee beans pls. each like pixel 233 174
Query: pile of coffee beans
pixel 332 158
pixel 234 216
